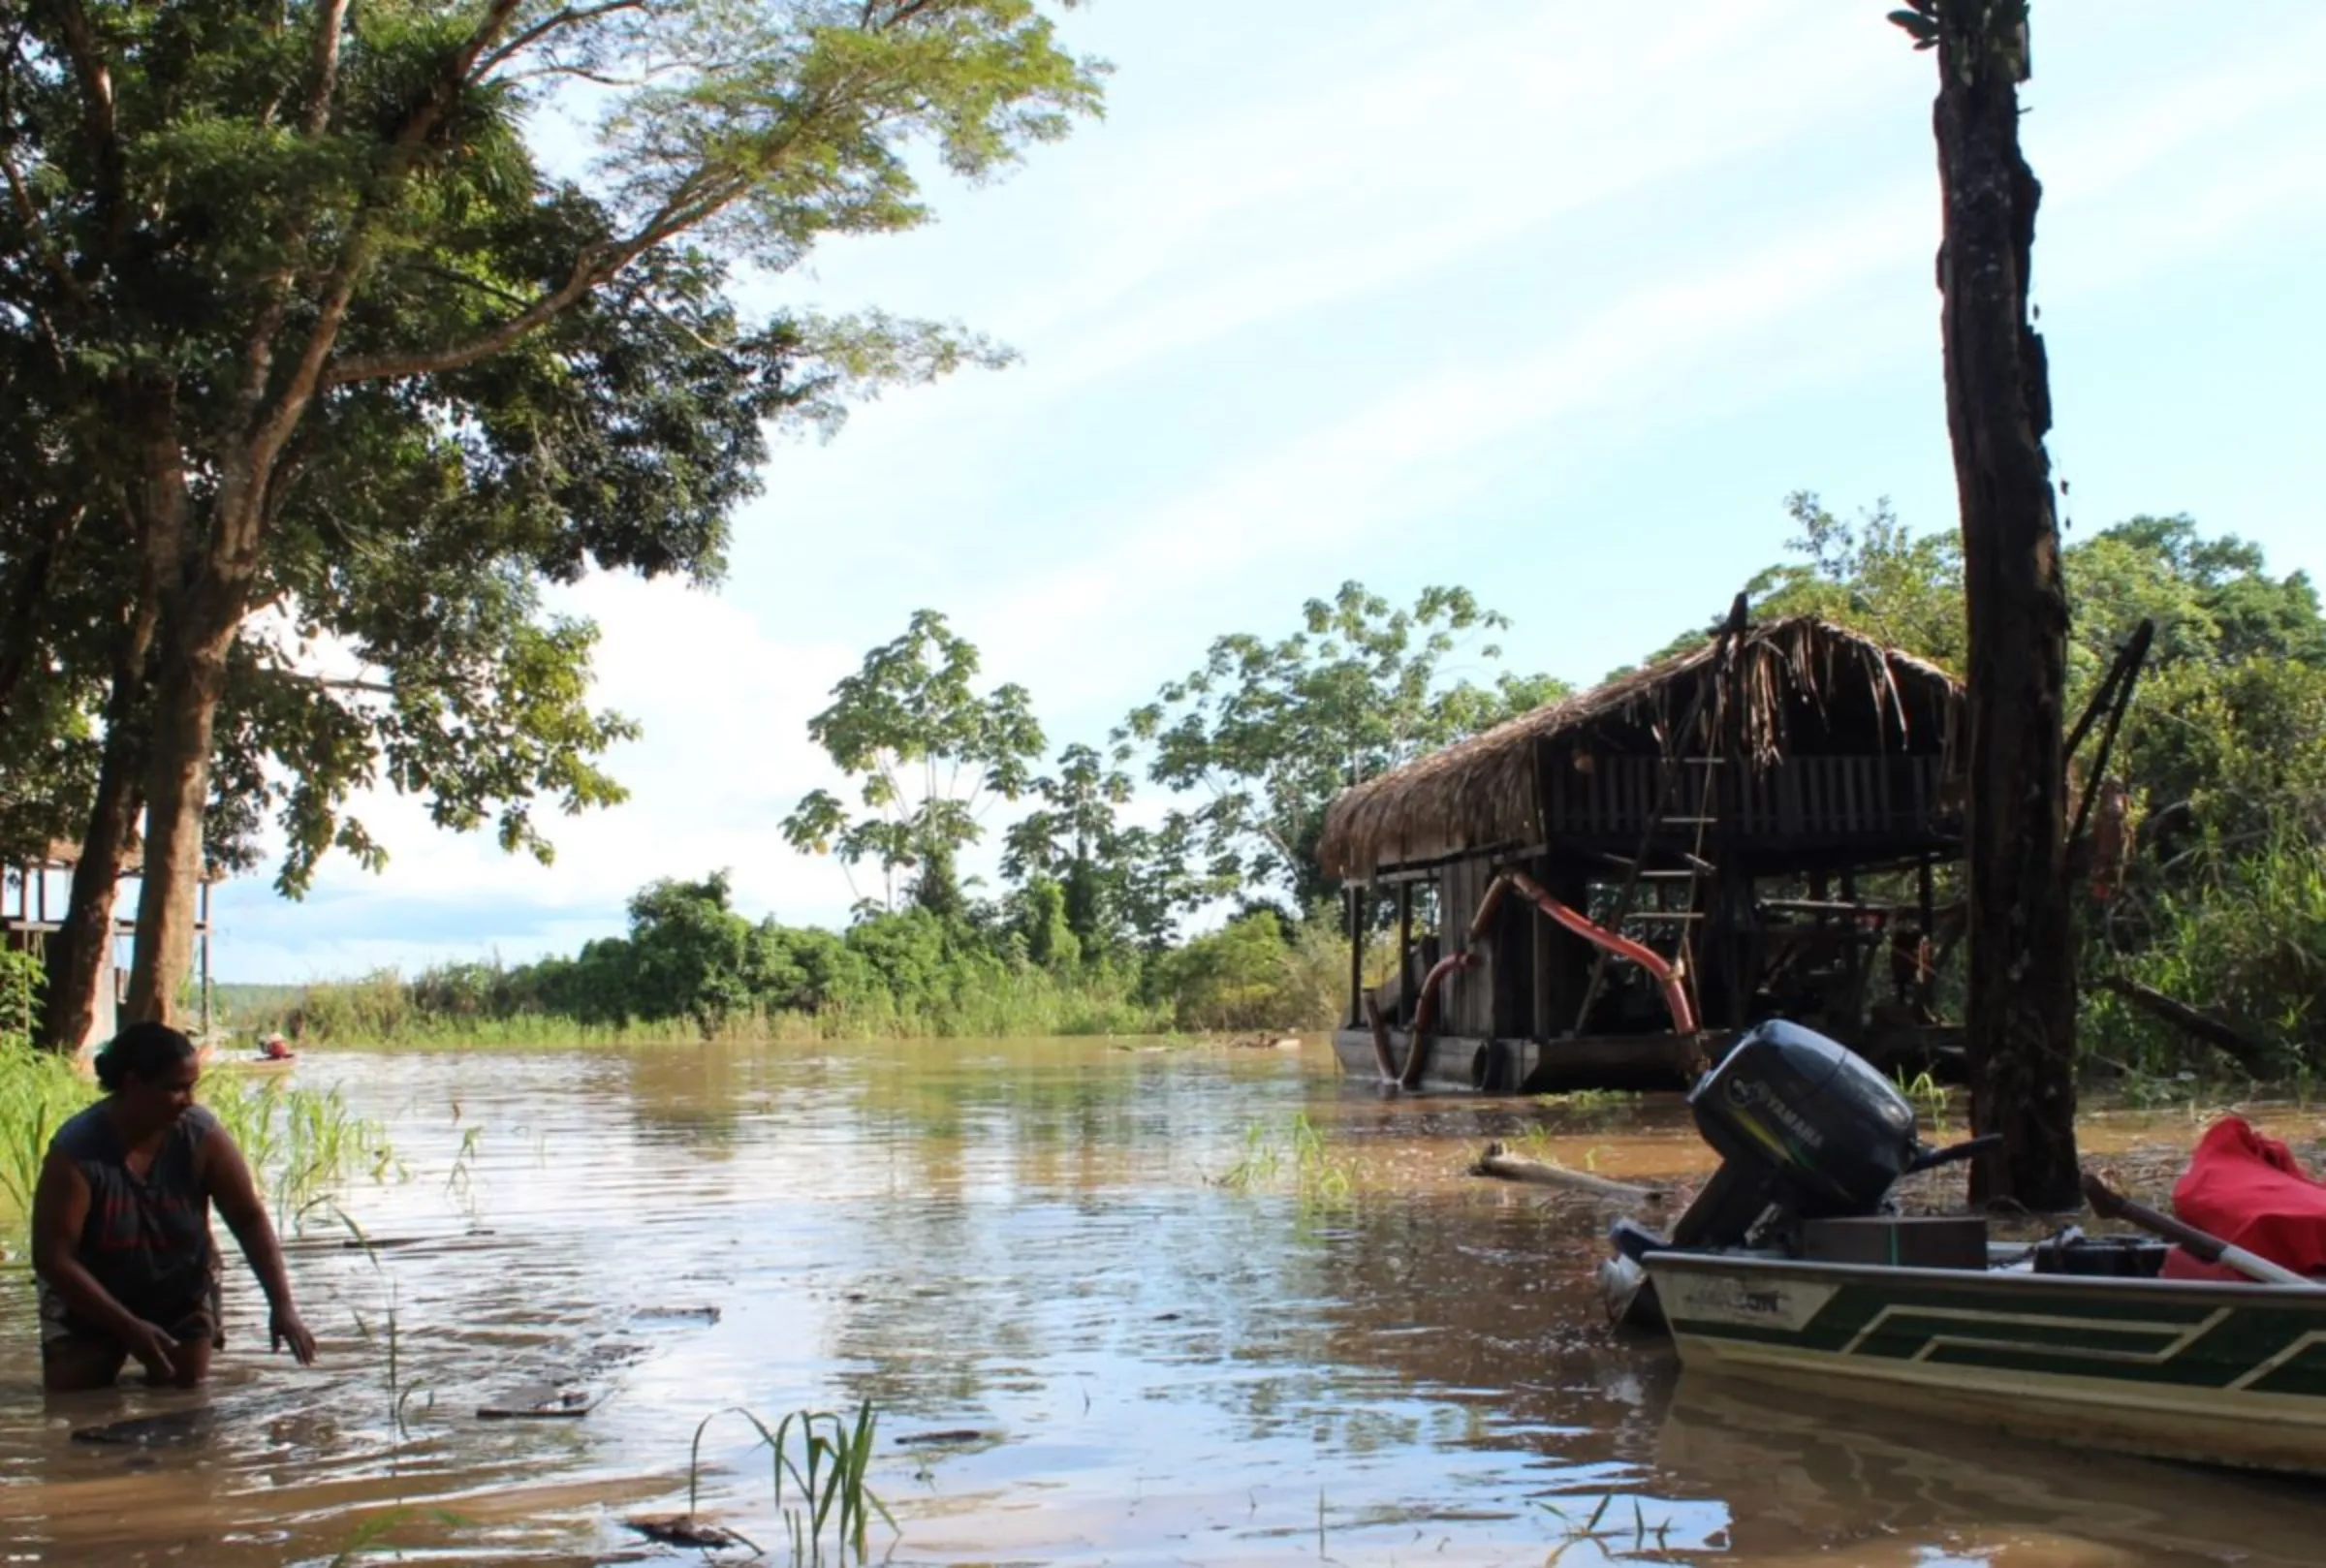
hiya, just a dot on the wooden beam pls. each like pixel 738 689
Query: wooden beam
pixel 1430 868
pixel 1404 952
pixel 2250 1053
pixel 1498 1161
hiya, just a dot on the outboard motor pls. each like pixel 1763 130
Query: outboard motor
pixel 1806 1130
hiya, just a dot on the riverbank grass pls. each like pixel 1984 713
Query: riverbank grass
pixel 299 1141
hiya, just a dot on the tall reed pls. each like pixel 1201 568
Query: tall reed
pixel 835 1453
pixel 1320 1177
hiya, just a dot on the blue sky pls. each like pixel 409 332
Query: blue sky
pixel 1554 299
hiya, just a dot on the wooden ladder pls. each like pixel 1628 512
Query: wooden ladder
pixel 1674 768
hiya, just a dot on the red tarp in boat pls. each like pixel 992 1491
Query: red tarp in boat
pixel 2249 1190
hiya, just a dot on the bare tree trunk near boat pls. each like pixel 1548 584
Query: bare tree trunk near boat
pixel 2021 1013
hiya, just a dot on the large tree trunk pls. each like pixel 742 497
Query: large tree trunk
pixel 2022 1006
pixel 205 574
pixel 79 958
pixel 196 642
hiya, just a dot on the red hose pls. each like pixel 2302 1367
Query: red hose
pixel 1684 1017
pixel 1417 1046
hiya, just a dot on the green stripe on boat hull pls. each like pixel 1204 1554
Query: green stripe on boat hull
pixel 2221 1374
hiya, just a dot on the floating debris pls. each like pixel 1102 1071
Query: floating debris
pixel 963 1434
pixel 1499 1161
pixel 686 1530
pixel 538 1402
pixel 153 1432
pixel 676 1314
pixel 476 1241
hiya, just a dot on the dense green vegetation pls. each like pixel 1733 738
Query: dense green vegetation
pixel 691 966
pixel 2203 875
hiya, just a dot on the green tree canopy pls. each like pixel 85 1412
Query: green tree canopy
pixel 1072 843
pixel 1269 732
pixel 226 223
pixel 930 754
pixel 1116 882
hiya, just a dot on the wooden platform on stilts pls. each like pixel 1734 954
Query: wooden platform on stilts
pixel 1607 891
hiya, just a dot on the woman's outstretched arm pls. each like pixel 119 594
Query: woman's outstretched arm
pixel 227 1174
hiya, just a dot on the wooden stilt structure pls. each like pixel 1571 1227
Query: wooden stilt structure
pixel 33 897
pixel 1686 823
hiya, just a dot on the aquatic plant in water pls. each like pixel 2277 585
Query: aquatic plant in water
pixel 828 1473
pixel 1588 1100
pixel 1319 1176
pixel 1928 1095
pixel 1640 1535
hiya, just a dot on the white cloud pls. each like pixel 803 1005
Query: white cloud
pixel 1713 331
pixel 1431 149
pixel 725 703
pixel 2105 153
pixel 1344 482
pixel 1492 134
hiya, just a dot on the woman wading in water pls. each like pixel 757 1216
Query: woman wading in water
pixel 122 1226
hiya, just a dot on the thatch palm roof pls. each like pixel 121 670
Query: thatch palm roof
pixel 1482 793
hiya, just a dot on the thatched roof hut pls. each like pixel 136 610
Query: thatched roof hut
pixel 1801 687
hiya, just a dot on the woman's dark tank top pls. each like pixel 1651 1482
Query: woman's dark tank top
pixel 147 1240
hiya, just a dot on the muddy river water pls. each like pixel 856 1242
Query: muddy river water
pixel 1143 1326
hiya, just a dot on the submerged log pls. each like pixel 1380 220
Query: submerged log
pixel 944 1439
pixel 539 1402
pixel 1265 1041
pixel 688 1531
pixel 1500 1162
pixel 154 1431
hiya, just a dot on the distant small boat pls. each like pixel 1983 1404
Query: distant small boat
pixel 253 1063
pixel 269 1052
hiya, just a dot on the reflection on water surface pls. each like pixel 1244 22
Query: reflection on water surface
pixel 1027 1246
